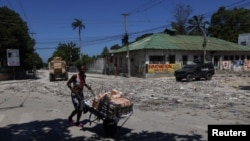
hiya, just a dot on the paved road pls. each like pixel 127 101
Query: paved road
pixel 43 118
pixel 37 110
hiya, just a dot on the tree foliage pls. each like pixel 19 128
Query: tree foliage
pixel 14 34
pixel 68 52
pixel 86 59
pixel 34 58
pixel 197 25
pixel 105 52
pixel 125 39
pixel 227 24
pixel 78 24
pixel 181 15
pixel 115 47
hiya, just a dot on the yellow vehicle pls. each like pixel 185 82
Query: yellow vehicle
pixel 58 69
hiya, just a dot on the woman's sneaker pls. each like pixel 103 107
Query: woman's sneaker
pixel 79 124
pixel 71 122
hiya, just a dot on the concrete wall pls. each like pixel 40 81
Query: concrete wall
pixel 244 39
pixel 139 59
pixel 97 66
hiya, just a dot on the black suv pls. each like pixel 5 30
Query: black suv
pixel 195 71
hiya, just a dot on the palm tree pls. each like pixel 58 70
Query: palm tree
pixel 80 25
pixel 197 26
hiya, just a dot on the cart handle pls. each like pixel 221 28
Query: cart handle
pixel 92 92
pixel 126 119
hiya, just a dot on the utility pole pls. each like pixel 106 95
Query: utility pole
pixel 80 54
pixel 204 46
pixel 126 34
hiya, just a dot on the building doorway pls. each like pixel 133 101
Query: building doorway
pixel 184 59
pixel 171 59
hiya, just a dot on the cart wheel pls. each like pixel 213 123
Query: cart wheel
pixel 109 127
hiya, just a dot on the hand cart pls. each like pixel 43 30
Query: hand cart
pixel 110 120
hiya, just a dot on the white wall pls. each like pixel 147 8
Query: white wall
pixel 244 38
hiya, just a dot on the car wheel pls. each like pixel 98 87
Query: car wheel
pixel 109 127
pixel 66 77
pixel 198 78
pixel 189 77
pixel 51 78
pixel 178 79
pixel 209 76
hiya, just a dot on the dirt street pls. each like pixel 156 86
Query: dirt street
pixel 164 110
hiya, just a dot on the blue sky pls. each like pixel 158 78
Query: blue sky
pixel 50 21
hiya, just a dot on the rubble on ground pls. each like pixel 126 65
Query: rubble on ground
pixel 224 97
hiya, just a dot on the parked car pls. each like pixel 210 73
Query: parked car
pixel 195 71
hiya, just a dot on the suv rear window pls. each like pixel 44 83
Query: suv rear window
pixel 190 66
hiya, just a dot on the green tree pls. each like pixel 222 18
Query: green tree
pixel 34 59
pixel 227 24
pixel 67 51
pixel 115 47
pixel 85 60
pixel 14 34
pixel 105 52
pixel 78 24
pixel 197 25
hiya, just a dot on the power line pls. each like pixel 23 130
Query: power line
pixel 243 5
pixel 148 5
pixel 235 4
pixel 8 1
pixel 119 36
pixel 24 14
pixel 107 39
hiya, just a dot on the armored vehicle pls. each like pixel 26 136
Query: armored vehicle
pixel 57 69
pixel 195 71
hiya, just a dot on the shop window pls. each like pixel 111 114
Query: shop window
pixel 131 59
pixel 157 59
pixel 171 59
pixel 216 61
pixel 195 57
pixel 184 59
pixel 198 58
pixel 120 60
pixel 237 57
pixel 111 59
pixel 244 43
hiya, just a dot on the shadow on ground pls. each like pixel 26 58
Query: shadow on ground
pixel 244 88
pixel 58 130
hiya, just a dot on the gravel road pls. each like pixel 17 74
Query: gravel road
pixel 164 109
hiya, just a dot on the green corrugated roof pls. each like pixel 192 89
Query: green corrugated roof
pixel 182 42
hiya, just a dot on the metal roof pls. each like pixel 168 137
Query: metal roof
pixel 182 42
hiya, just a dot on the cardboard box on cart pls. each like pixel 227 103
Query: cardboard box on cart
pixel 112 104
